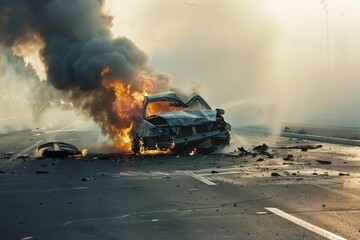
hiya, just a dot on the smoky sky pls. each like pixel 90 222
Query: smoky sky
pixel 77 47
pixel 78 43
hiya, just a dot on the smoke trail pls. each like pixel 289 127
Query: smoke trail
pixel 17 83
pixel 78 47
pixel 78 43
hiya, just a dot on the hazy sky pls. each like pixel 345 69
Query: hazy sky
pixel 264 61
pixel 267 59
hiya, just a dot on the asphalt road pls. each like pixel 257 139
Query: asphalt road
pixel 111 196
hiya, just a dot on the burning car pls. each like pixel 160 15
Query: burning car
pixel 170 124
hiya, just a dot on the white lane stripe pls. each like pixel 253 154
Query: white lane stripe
pixel 304 224
pixel 200 178
pixel 137 174
pixel 95 219
pixel 63 129
pixel 44 190
pixel 221 173
pixel 23 151
pixel 162 173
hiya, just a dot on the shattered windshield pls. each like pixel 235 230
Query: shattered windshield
pixel 159 107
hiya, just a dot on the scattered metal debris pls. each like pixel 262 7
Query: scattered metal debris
pixel 261 148
pixel 289 157
pixel 324 161
pixel 243 150
pixel 275 174
pixel 344 174
pixel 6 155
pixel 303 148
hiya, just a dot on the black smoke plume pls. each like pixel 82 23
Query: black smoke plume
pixel 78 45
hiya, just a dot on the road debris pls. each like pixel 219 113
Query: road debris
pixel 6 155
pixel 303 148
pixel 275 174
pixel 261 148
pixel 344 174
pixel 289 157
pixel 243 150
pixel 324 161
pixel 213 172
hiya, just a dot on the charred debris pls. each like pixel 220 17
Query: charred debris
pixel 266 151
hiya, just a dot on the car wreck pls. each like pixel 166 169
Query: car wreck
pixel 172 125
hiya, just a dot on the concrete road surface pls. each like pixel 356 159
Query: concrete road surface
pixel 220 196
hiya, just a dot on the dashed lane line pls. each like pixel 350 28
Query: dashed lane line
pixel 95 219
pixel 304 224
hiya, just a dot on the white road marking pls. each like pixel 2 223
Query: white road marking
pixel 94 219
pixel 162 173
pixel 44 190
pixel 304 224
pixel 221 173
pixel 23 151
pixel 137 174
pixel 63 129
pixel 261 213
pixel 200 178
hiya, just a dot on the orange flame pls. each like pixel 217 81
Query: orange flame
pixel 127 105
pixel 84 152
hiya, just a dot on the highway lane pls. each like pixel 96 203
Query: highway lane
pixel 170 197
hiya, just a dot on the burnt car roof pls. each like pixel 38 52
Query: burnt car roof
pixel 165 95
pixel 171 96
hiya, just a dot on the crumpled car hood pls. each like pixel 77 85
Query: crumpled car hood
pixel 189 117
